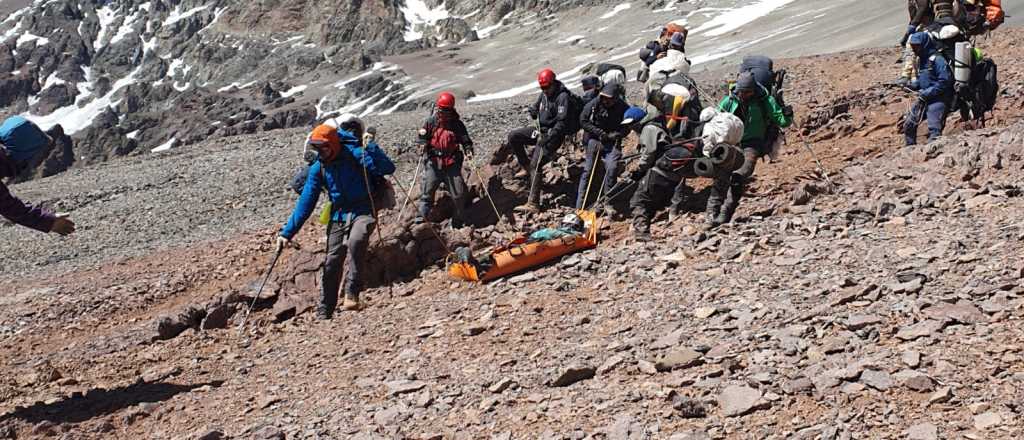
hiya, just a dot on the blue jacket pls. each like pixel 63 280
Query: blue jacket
pixel 343 178
pixel 934 78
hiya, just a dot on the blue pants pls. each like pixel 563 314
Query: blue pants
pixel 935 112
pixel 610 153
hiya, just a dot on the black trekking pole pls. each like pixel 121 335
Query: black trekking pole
pixel 273 262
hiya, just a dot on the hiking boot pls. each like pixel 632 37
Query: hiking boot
pixel 322 314
pixel 642 236
pixel 351 302
pixel 529 208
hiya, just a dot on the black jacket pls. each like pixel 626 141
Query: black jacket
pixel 553 113
pixel 597 121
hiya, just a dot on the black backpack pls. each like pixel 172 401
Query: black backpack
pixel 763 69
pixel 985 83
pixel 574 111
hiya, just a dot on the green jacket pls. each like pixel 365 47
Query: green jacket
pixel 753 114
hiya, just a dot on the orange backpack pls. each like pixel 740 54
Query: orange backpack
pixel 994 13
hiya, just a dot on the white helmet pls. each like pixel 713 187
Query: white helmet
pixel 572 222
pixel 348 121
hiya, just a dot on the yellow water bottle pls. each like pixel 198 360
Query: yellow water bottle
pixel 325 214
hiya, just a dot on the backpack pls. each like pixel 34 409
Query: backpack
pixel 994 13
pixel 985 84
pixel 763 69
pixel 574 111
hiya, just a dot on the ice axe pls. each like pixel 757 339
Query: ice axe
pixel 273 262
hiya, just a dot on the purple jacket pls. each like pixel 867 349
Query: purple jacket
pixel 16 210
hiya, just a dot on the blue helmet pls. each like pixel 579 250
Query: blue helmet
pixel 633 115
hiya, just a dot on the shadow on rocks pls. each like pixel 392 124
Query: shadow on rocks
pixel 100 402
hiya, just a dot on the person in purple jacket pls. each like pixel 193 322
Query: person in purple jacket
pixel 22 141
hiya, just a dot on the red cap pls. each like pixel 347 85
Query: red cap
pixel 545 78
pixel 446 100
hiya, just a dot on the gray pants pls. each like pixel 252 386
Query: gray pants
pixel 435 175
pixel 346 243
pixel 610 154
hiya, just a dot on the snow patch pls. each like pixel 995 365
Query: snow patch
pixel 106 16
pixel 127 27
pixel 418 14
pixel 176 15
pixel 26 37
pixel 51 81
pixel 670 6
pixel 75 118
pixel 132 135
pixel 293 90
pixel 618 8
pixel 733 19
pixel 165 146
pixel 574 39
pixel 235 85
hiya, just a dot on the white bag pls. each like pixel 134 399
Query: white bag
pixel 720 128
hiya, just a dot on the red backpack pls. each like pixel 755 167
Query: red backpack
pixel 443 143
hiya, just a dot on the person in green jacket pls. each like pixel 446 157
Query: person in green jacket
pixel 761 114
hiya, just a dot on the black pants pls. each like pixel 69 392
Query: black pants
pixel 518 139
pixel 729 187
pixel 347 242
pixel 653 192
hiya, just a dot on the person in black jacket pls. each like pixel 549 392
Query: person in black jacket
pixel 602 122
pixel 552 111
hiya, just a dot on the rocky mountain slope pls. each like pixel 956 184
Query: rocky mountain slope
pixel 885 306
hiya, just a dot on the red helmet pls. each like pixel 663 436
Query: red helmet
pixel 446 100
pixel 545 78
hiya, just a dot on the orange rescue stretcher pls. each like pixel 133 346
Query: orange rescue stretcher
pixel 520 255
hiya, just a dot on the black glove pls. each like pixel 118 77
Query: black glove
pixel 531 112
pixel 468 149
pixel 637 174
pixel 787 111
pixel 614 136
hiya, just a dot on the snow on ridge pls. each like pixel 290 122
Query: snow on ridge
pixel 618 8
pixel 165 146
pixel 51 81
pixel 106 16
pixel 26 37
pixel 734 19
pixel 294 90
pixel 573 39
pixel 417 14
pixel 485 32
pixel 74 118
pixel 176 15
pixel 235 85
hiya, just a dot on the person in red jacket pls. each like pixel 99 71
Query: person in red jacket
pixel 23 143
pixel 446 143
